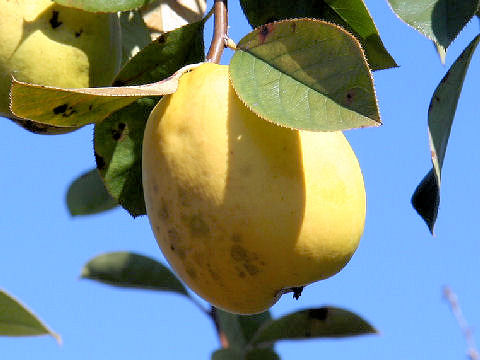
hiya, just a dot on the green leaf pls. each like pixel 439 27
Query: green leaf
pixel 305 74
pixel 441 113
pixel 162 57
pixel 126 269
pixel 324 322
pixel 262 354
pixel 352 15
pixel 118 154
pixel 104 5
pixel 17 320
pixel 228 354
pixel 87 195
pixel 240 329
pixel 439 20
pixel 41 129
pixel 135 35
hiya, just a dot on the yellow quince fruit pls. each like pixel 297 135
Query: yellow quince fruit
pixel 45 43
pixel 245 210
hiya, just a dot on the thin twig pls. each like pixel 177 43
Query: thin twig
pixel 452 299
pixel 219 33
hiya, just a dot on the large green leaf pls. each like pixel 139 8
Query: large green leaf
pixel 161 58
pixel 118 153
pixel 352 15
pixel 87 195
pixel 305 74
pixel 17 320
pixel 240 329
pixel 439 20
pixel 126 269
pixel 104 5
pixel 324 322
pixel 441 113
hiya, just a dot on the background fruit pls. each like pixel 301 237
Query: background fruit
pixel 244 209
pixel 45 43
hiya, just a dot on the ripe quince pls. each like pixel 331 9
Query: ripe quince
pixel 245 210
pixel 45 43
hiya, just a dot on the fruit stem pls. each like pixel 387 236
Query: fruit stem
pixel 219 32
pixel 221 335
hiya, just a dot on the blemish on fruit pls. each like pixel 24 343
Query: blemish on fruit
pixel 251 269
pixel 238 253
pixel 191 272
pixel 78 33
pixel 318 314
pixel 197 226
pixel 54 22
pixel 236 237
pixel 100 162
pixel 163 211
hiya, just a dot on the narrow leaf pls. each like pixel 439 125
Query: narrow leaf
pixel 118 154
pixel 439 20
pixel 324 322
pixel 17 320
pixel 441 113
pixel 104 5
pixel 305 74
pixel 78 107
pixel 87 195
pixel 352 15
pixel 126 269
pixel 240 329
pixel 164 56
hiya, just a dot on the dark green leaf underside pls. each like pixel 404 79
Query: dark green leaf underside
pixel 87 195
pixel 324 322
pixel 352 15
pixel 279 74
pixel 17 320
pixel 126 269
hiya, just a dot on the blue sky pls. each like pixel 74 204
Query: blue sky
pixel 394 280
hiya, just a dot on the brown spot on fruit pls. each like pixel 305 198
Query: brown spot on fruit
pixel 197 226
pixel 54 22
pixel 251 269
pixel 238 253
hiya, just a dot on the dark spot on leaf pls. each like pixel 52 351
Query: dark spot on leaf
pixel 54 22
pixel 318 314
pixel 121 126
pixel 350 97
pixel 297 292
pixel 293 26
pixel 78 33
pixel 162 39
pixel 60 109
pixel 65 110
pixel 437 98
pixel 90 107
pixel 100 162
pixel 265 30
